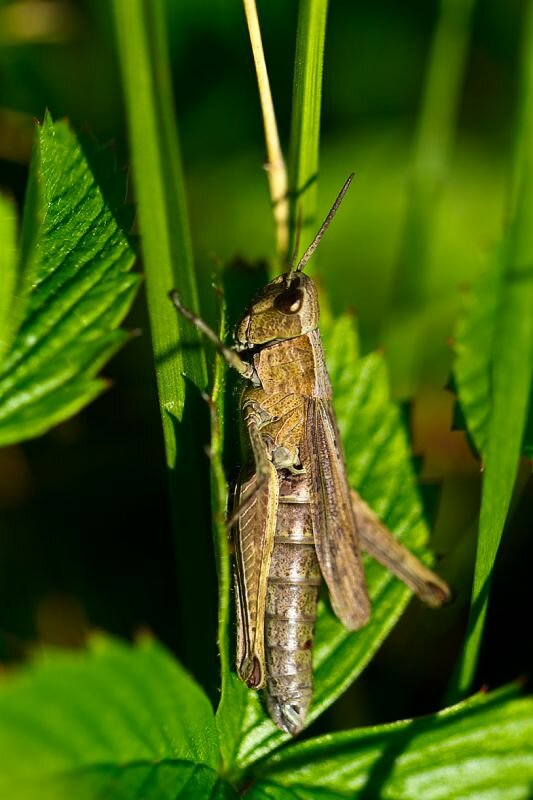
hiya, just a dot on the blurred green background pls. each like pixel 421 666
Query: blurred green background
pixel 85 535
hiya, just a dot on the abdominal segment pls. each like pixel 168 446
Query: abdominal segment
pixel 291 601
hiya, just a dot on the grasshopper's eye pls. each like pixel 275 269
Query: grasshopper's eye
pixel 290 301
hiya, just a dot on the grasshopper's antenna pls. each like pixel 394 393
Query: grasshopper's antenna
pixel 292 268
pixel 323 228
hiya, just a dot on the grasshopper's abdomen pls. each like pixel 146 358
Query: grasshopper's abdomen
pixel 291 602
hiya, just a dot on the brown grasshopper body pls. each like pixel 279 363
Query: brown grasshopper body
pixel 295 519
pixel 304 490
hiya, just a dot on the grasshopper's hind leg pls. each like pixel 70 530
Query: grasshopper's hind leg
pixel 254 522
pixel 379 543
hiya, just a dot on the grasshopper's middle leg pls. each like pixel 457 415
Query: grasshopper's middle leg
pixel 264 469
pixel 378 542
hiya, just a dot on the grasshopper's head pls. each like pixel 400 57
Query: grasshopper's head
pixel 287 307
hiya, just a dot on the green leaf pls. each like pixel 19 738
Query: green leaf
pixel 160 194
pixel 379 466
pixel 478 749
pixel 111 722
pixel 305 119
pixel 494 373
pixel 73 290
pixel 473 347
pixel 8 267
pixel 179 357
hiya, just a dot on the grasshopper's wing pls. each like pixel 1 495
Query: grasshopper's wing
pixel 254 531
pixel 334 526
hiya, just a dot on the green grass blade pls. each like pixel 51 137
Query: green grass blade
pixel 112 721
pixel 160 194
pixel 74 285
pixel 510 371
pixel 305 120
pixel 179 356
pixel 480 749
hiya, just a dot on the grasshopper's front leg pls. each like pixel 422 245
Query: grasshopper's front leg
pixel 378 542
pixel 262 463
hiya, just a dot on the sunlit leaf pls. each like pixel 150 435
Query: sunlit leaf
pixel 110 722
pixel 74 288
pixel 478 749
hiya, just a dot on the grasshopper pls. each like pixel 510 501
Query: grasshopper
pixel 295 519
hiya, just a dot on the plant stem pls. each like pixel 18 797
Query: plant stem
pixel 275 167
